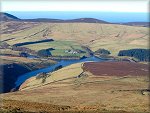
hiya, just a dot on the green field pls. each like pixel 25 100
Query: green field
pixel 112 37
pixel 59 46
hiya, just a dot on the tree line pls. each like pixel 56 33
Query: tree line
pixel 140 54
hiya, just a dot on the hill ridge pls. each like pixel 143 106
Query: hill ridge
pixel 7 17
pixel 10 17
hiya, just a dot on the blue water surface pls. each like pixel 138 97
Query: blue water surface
pixel 63 63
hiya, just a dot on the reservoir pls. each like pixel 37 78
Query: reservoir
pixel 62 63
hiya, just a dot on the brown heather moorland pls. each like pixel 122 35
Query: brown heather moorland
pixel 88 92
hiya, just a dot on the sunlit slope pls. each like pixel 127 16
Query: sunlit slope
pixel 102 86
pixel 68 72
pixel 95 35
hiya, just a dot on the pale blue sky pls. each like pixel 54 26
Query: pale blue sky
pixel 108 10
pixel 107 16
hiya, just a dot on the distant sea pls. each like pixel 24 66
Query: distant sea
pixel 114 17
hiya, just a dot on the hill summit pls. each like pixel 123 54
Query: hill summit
pixel 7 17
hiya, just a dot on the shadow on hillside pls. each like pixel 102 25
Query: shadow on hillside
pixel 8 76
pixel 35 42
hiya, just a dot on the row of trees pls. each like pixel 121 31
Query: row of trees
pixel 24 52
pixel 23 49
pixel 102 52
pixel 44 53
pixel 140 54
pixel 27 43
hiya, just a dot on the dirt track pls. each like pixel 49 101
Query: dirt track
pixel 116 68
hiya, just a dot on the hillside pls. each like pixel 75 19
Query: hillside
pixel 85 88
pixel 109 36
pixel 83 69
pixel 108 85
pixel 7 17
pixel 144 24
pixel 13 67
pixel 89 32
pixel 80 20
pixel 74 71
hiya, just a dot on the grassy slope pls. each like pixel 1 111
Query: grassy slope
pixel 72 71
pixel 109 36
pixel 9 51
pixel 85 93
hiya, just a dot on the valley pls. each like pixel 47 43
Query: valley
pixel 71 66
